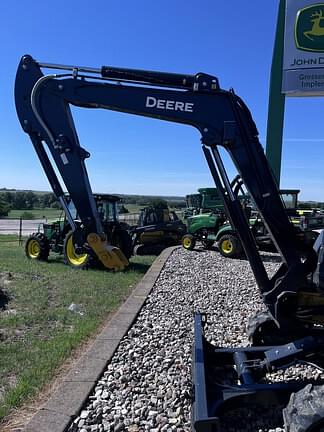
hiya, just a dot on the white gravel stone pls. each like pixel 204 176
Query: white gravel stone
pixel 147 385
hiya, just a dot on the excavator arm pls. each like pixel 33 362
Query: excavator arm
pixel 42 103
pixel 43 107
pixel 292 295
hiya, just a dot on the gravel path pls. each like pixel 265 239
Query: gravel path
pixel 147 386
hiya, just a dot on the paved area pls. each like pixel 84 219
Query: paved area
pixel 69 398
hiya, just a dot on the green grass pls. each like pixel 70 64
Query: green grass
pixel 39 213
pixel 9 238
pixel 133 208
pixel 53 214
pixel 37 331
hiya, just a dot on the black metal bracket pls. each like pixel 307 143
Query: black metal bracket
pixel 213 398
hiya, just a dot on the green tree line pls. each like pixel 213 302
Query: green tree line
pixel 25 200
pixel 29 200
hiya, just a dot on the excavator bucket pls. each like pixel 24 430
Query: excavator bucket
pixel 111 256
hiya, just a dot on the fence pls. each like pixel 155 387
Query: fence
pixel 129 218
pixel 20 228
pixel 14 230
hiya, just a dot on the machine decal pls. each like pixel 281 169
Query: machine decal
pixel 64 158
pixel 169 105
pixel 309 28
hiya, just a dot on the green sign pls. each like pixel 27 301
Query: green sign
pixel 303 61
pixel 309 28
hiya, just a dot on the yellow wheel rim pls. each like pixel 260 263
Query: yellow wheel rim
pixel 73 257
pixel 33 249
pixel 186 242
pixel 227 246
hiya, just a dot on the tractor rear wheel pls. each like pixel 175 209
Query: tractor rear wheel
pixel 230 246
pixel 37 247
pixel 188 242
pixel 71 257
pixel 305 410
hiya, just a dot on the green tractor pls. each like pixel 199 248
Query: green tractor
pixel 213 226
pixel 204 217
pixel 57 236
pixel 204 228
pixel 203 202
pixel 307 225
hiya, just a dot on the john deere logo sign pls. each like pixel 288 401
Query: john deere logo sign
pixel 303 62
pixel 309 28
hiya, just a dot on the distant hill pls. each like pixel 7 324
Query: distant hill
pixel 167 198
pixel 24 190
pixel 17 199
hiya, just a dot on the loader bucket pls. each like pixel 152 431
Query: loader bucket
pixel 111 256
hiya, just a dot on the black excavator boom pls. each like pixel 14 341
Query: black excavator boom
pixel 223 120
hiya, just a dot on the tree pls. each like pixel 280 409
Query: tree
pixel 31 200
pixel 8 197
pixel 158 203
pixel 19 201
pixel 4 207
pixel 123 209
pixel 178 204
pixel 56 205
pixel 24 200
pixel 47 200
pixel 305 205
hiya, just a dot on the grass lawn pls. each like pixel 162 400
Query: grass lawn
pixel 37 331
pixel 133 208
pixel 9 238
pixel 39 213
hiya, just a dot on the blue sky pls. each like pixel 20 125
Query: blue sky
pixel 231 39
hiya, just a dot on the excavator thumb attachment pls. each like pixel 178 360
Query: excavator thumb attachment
pixel 110 256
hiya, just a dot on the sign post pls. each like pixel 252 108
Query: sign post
pixel 276 109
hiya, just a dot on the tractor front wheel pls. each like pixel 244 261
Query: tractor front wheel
pixel 188 242
pixel 37 247
pixel 230 246
pixel 71 257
